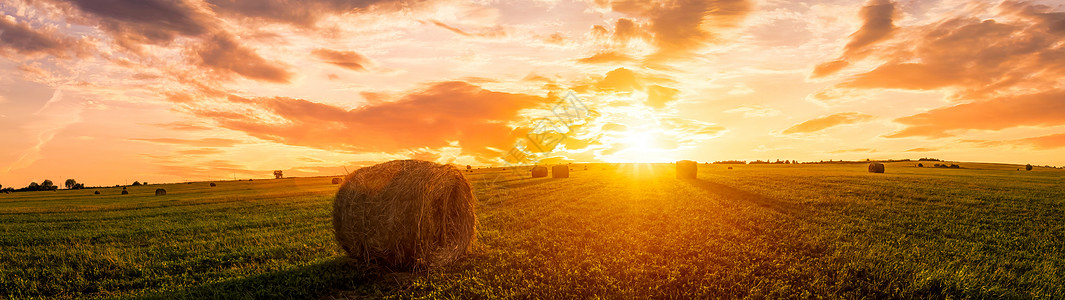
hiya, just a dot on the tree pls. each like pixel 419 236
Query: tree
pixel 278 174
pixel 34 186
pixel 47 184
pixel 1028 167
pixel 70 183
pixel 136 183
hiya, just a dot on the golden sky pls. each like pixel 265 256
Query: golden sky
pixel 112 91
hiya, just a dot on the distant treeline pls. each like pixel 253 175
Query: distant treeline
pixel 48 185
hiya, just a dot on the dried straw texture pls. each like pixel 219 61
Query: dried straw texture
pixel 560 171
pixel 160 192
pixel 687 169
pixel 876 167
pixel 539 171
pixel 405 214
pixel 337 180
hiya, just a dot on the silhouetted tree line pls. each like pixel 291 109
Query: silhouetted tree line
pixel 928 159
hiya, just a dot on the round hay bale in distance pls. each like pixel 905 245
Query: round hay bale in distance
pixel 160 192
pixel 876 167
pixel 687 169
pixel 336 180
pixel 96 193
pixel 560 171
pixel 730 168
pixel 405 214
pixel 539 171
pixel 213 185
pixel 125 192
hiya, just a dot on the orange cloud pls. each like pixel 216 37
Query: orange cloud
pixel 1042 109
pixel 224 54
pixel 609 57
pixel 344 59
pixel 829 121
pixel 658 96
pixel 1018 50
pixel 425 119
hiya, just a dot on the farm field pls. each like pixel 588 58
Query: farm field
pixel 611 231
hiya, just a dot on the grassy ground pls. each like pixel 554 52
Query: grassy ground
pixel 613 231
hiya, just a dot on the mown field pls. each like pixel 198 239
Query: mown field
pixel 612 231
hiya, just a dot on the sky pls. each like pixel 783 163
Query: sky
pixel 114 91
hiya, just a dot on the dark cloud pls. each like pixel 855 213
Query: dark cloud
pixel 829 121
pixel 301 13
pixel 134 22
pixel 677 27
pixel 1042 109
pixel 226 55
pixel 426 119
pixel 22 39
pixel 625 30
pixel 345 59
pixel 877 25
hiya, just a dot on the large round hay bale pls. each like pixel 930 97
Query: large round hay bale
pixel 160 192
pixel 125 192
pixel 560 171
pixel 213 185
pixel 875 167
pixel 96 193
pixel 687 169
pixel 336 180
pixel 405 214
pixel 539 171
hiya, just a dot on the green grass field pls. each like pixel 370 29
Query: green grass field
pixel 613 231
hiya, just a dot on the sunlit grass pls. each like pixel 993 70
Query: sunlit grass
pixel 613 231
